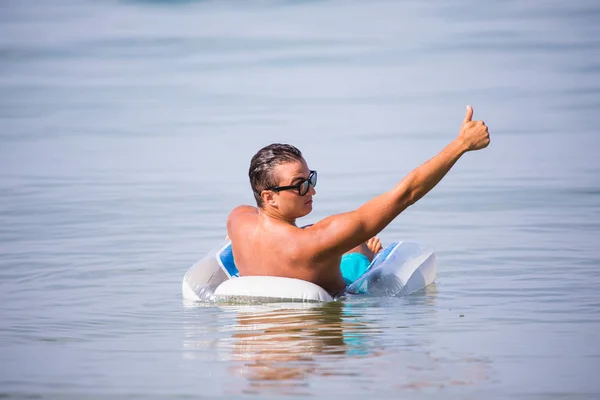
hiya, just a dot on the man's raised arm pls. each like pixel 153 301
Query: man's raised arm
pixel 342 232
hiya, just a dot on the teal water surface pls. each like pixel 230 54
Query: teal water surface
pixel 126 130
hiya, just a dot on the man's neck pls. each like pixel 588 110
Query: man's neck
pixel 272 215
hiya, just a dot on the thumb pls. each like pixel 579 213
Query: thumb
pixel 469 115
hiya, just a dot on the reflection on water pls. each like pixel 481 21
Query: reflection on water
pixel 279 348
pixel 282 348
pixel 285 348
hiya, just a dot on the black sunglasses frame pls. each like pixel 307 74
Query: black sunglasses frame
pixel 312 176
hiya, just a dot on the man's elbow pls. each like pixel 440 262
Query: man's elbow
pixel 406 195
pixel 411 198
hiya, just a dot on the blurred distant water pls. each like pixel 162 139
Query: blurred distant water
pixel 126 130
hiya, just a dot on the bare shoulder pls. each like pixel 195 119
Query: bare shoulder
pixel 329 225
pixel 240 216
pixel 243 210
pixel 333 235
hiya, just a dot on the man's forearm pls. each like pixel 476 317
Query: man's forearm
pixel 380 211
pixel 425 177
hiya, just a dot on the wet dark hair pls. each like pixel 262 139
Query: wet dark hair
pixel 264 162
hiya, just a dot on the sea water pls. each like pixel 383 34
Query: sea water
pixel 126 130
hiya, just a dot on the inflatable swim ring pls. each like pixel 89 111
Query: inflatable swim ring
pixel 398 270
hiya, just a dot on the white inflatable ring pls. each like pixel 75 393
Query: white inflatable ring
pixel 266 289
pixel 398 270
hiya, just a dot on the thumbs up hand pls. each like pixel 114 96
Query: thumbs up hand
pixel 474 134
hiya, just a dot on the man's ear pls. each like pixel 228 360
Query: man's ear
pixel 269 198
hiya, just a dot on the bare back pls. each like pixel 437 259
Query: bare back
pixel 266 247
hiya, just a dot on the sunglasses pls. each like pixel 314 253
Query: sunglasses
pixel 302 187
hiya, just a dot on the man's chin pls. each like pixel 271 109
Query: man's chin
pixel 306 211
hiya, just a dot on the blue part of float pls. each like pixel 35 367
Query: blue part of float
pixel 225 259
pixel 382 256
pixel 399 270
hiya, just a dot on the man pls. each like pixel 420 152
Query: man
pixel 266 240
